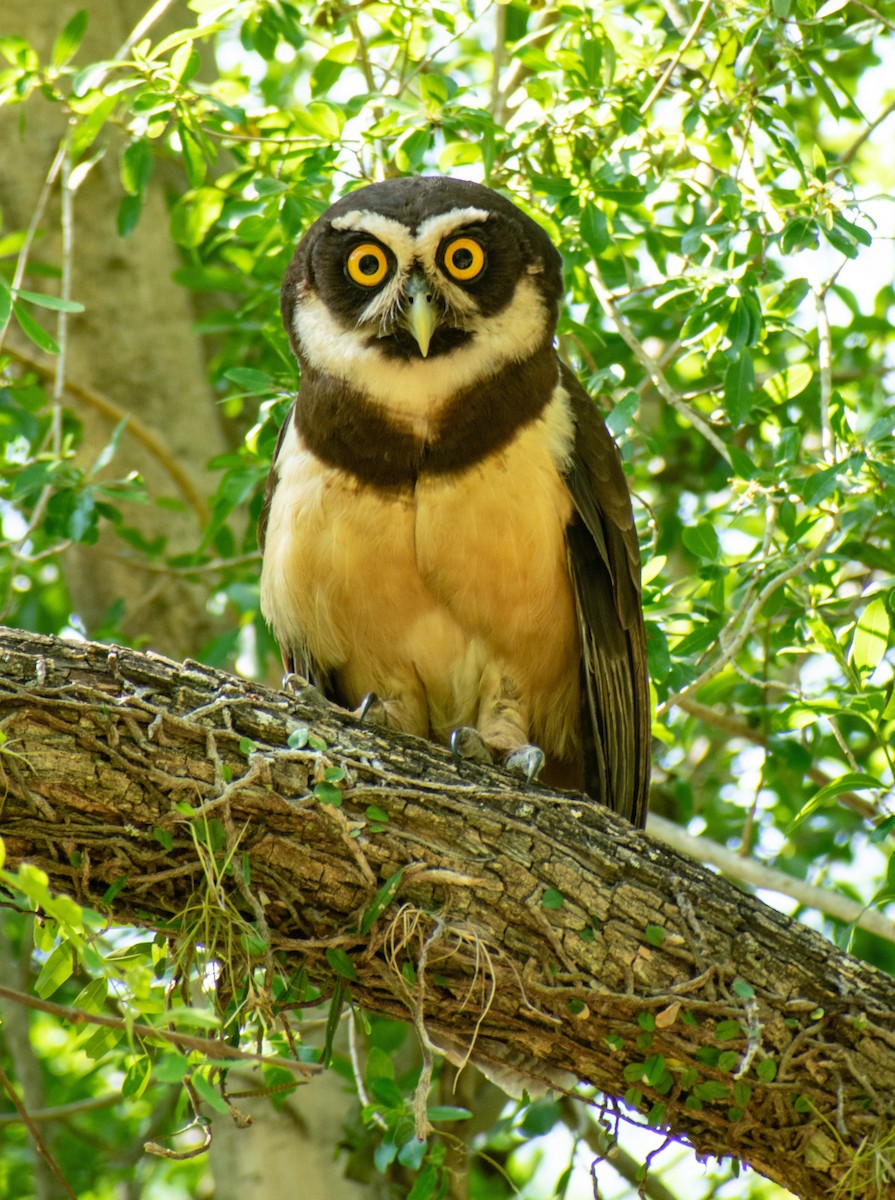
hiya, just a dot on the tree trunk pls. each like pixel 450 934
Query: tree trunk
pixel 525 925
pixel 133 350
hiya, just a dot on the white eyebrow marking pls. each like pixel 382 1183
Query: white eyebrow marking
pixel 396 236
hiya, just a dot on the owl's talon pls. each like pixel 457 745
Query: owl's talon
pixel 467 744
pixel 527 761
pixel 291 682
pixel 370 702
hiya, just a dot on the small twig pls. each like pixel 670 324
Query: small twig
pixel 654 371
pixel 745 619
pixel 142 27
pixel 679 54
pixel 357 1070
pixel 34 224
pixel 825 380
pixel 209 1046
pixel 198 1122
pixel 63 1111
pixel 40 1145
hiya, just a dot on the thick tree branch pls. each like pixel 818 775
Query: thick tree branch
pixel 551 930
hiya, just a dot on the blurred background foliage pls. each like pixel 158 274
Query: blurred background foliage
pixel 718 179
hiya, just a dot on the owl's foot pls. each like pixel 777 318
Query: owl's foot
pixel 527 761
pixel 467 743
pixel 371 708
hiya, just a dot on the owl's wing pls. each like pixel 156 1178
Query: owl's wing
pixel 604 558
pixel 297 660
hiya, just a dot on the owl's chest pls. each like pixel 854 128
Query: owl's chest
pixel 481 552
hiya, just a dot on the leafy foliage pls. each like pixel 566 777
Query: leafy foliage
pixel 711 177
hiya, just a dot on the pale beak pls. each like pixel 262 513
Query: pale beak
pixel 421 315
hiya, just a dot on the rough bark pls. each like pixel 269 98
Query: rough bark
pixel 648 956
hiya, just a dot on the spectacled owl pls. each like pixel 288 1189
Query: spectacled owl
pixel 447 535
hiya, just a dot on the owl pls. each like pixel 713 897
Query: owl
pixel 448 542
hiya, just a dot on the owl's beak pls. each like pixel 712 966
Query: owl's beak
pixel 421 315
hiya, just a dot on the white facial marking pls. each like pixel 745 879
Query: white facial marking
pixel 414 391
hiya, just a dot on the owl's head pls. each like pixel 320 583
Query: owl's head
pixel 417 269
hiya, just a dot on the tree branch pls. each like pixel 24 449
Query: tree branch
pixel 539 925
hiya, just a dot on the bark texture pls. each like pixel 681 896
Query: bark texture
pixel 539 927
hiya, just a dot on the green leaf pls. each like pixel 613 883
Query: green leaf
pixel 711 1089
pixel 702 540
pixel 129 211
pixel 726 1030
pixel 194 214
pixel 552 899
pixel 425 1184
pixel 447 1112
pixel 655 935
pixel 163 838
pixel 55 971
pixel 871 636
pixel 92 998
pixel 788 383
pixel 86 132
pixel 882 831
pixel 340 962
pixel 766 1070
pixel 851 782
pixel 171 1068
pixel 34 332
pixel 137 1078
pixel 250 380
pixel 68 41
pixel 743 989
pixel 739 389
pixel 209 1094
pixel 619 420
pixel 54 302
pixel 135 168
pixel 193 156
pixel 381 901
pixel 328 793
pixel 594 229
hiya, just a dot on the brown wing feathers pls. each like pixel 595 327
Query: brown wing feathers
pixel 604 559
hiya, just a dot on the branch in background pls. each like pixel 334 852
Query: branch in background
pixel 543 26
pixel 209 1046
pixel 747 870
pixel 139 431
pixel 740 728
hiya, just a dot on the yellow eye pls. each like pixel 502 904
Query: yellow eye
pixel 464 258
pixel 367 264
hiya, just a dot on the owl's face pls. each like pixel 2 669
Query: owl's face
pixel 421 269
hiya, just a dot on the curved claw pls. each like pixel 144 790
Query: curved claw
pixel 527 761
pixel 291 682
pixel 467 744
pixel 370 701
